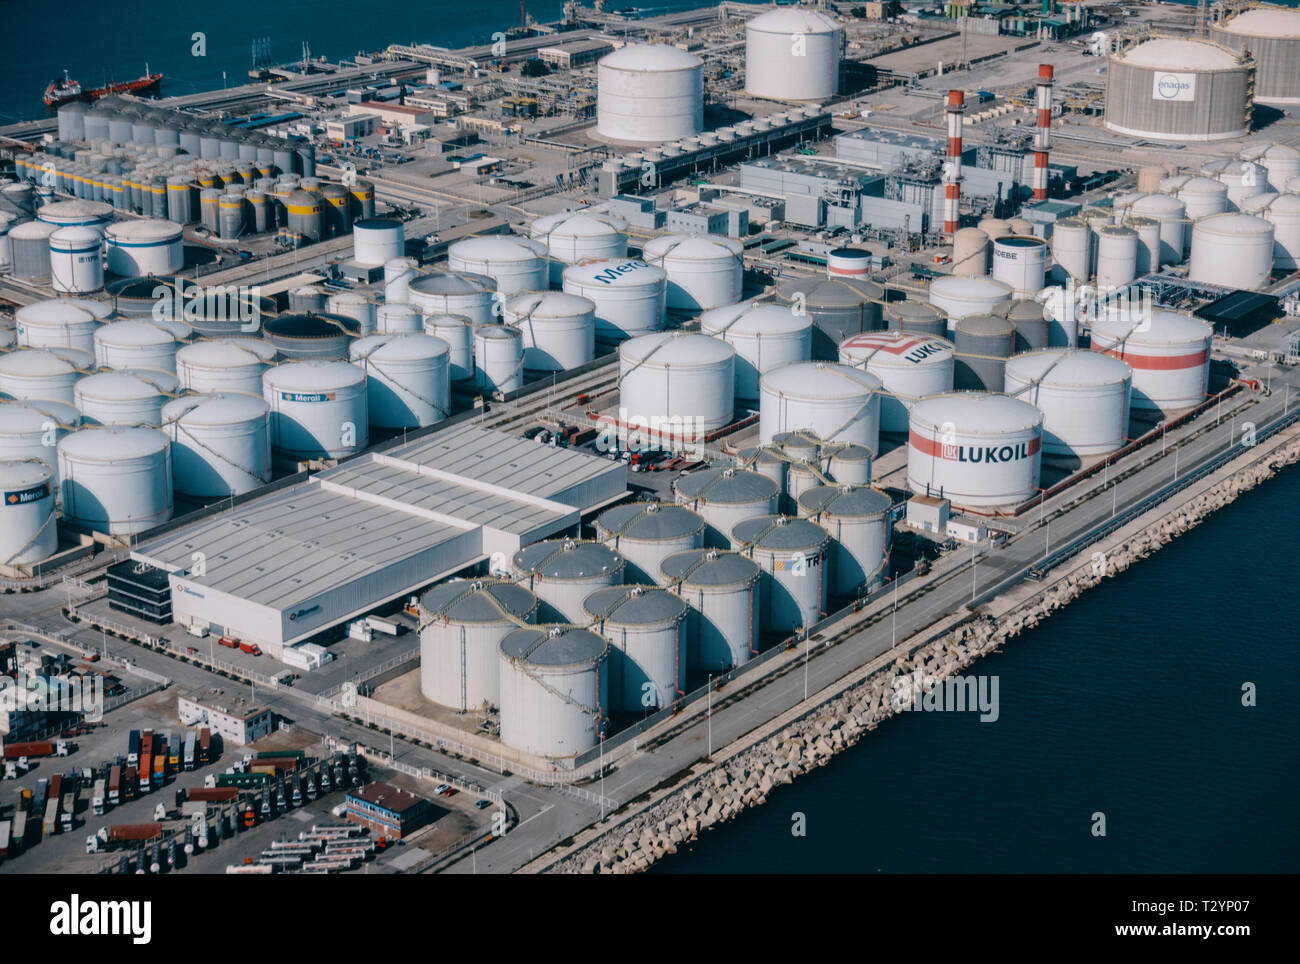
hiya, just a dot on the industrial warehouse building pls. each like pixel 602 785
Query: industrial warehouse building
pixel 285 567
pixel 388 810
pixel 233 717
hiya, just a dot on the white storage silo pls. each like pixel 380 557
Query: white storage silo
pixel 38 373
pixel 1020 262
pixel 144 247
pixel 376 241
pixel 792 54
pixel 1243 179
pixel 649 94
pixel 575 237
pixel 1172 215
pixel 32 429
pixel 139 343
pixel 564 572
pixel 1233 250
pixel 765 336
pixel 554 690
pixel 958 297
pixel 680 384
pixel 630 295
pixel 970 252
pixel 1117 251
pixel 462 623
pixel 515 264
pixel 458 332
pixel 1283 212
pixel 916 317
pixel 116 480
pixel 354 304
pixel 318 409
pixel 55 324
pixel 29 244
pixel 724 590
pixel 122 397
pixel 850 464
pixel 979 450
pixel 839 403
pixel 768 460
pixel 398 275
pixel 646 533
pixel 1169 354
pixel 856 517
pixel 647 629
pixel 28 530
pixel 1148 243
pixel 848 263
pixel 1083 395
pixel 724 497
pixel 498 359
pixel 1280 162
pixel 448 293
pixel 224 365
pixel 793 553
pixel 703 272
pixel 559 329
pixel 1202 196
pixel 81 213
pixel 77 260
pixel 397 317
pixel 908 366
pixel 221 444
pixel 1072 248
pixel 408 381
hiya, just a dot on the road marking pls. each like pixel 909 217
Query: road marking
pixel 548 807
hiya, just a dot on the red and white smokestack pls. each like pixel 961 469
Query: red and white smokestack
pixel 952 164
pixel 1043 135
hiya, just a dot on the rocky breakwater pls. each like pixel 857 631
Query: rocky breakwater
pixel 749 775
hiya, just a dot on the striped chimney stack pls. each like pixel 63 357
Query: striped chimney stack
pixel 952 165
pixel 1043 134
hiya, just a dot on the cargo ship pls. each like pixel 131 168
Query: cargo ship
pixel 63 92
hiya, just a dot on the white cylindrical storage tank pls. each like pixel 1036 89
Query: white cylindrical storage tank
pixel 1169 353
pixel 407 379
pixel 908 366
pixel 1272 35
pixel 724 591
pixel 682 381
pixel 848 263
pixel 850 464
pixel 38 373
pixel 1148 249
pixel 1117 251
pixel 145 247
pixel 515 264
pixel 29 244
pixel 703 272
pixel 1202 196
pixel 397 318
pixel 307 298
pixel 458 332
pixel 121 398
pixel 353 304
pixel 554 687
pixel 765 336
pixel 647 627
pixel 839 403
pixel 462 623
pixel 1280 162
pixel 447 293
pixel 398 275
pixel 1072 248
pixel 77 260
pixel 139 343
pixel 224 365
pixel 982 342
pixel 1083 395
pixel 915 317
pixel 649 94
pixel 116 480
pixel 559 329
pixel 1180 90
pixel 377 241
pixel 1020 262
pixel 1233 250
pixel 55 324
pixel 1242 178
pixel 1172 215
pixel 82 213
pixel 574 237
pixel 958 297
pixel 28 531
pixel 629 295
pixel 646 533
pixel 1284 214
pixel 564 572
pixel 498 359
pixel 979 450
pixel 856 517
pixel 318 409
pixel 32 429
pixel 724 497
pixel 221 444
pixel 970 252
pixel 792 54
pixel 768 460
pixel 793 554
pixel 1061 309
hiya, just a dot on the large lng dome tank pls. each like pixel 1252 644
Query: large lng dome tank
pixel 977 449
pixel 462 624
pixel 647 627
pixel 1169 355
pixel 1272 35
pixel 554 689
pixel 839 403
pixel 1179 90
pixel 564 572
pixel 792 54
pixel 908 366
pixel 703 272
pixel 221 444
pixel 1083 395
pixel 686 381
pixel 649 94
pixel 646 533
pixel 116 480
pixel 765 336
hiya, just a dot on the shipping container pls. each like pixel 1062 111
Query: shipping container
pixel 115 785
pixel 173 755
pixel 68 809
pixel 99 797
pixel 159 770
pixel 191 740
pixel 299 755
pixel 205 745
pixel 214 794
pixel 134 832
pixel 242 779
pixel 133 748
pixel 52 817
pixel 32 748
pixel 19 831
